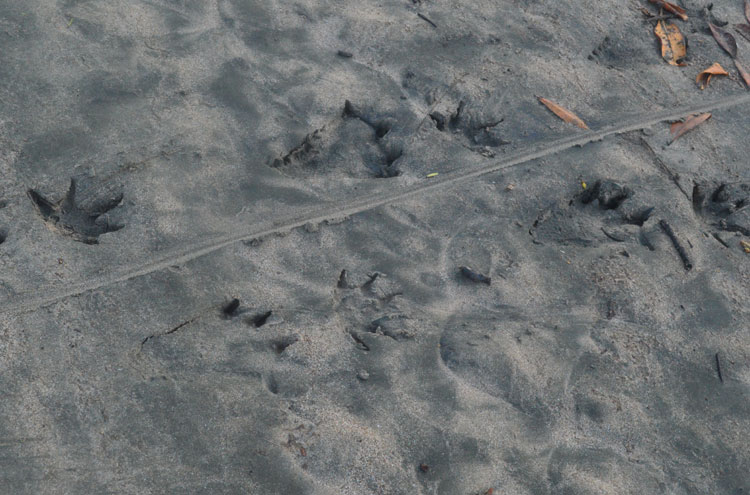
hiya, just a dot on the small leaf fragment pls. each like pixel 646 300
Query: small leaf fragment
pixel 743 30
pixel 679 128
pixel 564 114
pixel 724 39
pixel 705 77
pixel 747 10
pixel 745 74
pixel 670 7
pixel 673 47
pixel 431 175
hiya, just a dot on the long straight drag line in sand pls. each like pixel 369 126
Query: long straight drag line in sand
pixel 29 302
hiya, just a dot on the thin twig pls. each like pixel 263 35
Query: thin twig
pixel 677 244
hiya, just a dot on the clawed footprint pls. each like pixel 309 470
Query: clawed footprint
pixel 65 217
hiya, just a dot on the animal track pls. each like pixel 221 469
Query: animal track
pixel 381 127
pixel 260 319
pixel 371 304
pixel 610 195
pixel 728 204
pixel 488 354
pixel 67 218
pixel 478 130
pixel 615 53
pixel 475 125
pixel 393 326
pixel 32 300
pixel 565 223
pixel 357 136
pixel 231 309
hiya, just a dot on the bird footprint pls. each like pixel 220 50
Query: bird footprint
pixel 82 224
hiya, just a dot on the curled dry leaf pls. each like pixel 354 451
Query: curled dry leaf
pixel 724 39
pixel 673 47
pixel 745 74
pixel 705 77
pixel 744 30
pixel 679 128
pixel 564 114
pixel 670 7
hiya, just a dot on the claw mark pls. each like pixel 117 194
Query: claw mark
pixel 474 276
pixel 66 218
pixel 260 319
pixel 718 368
pixel 280 345
pixel 478 130
pixel 343 282
pixel 231 308
pixel 313 153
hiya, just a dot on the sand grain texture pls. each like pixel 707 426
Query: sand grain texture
pixel 237 149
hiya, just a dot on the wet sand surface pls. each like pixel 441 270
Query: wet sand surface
pixel 255 287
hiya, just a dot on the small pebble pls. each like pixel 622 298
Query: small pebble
pixel 363 375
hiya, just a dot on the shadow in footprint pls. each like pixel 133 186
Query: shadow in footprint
pixel 618 218
pixel 280 345
pixel 260 319
pixel 67 218
pixel 728 205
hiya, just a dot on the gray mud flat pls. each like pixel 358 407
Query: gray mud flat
pixel 224 269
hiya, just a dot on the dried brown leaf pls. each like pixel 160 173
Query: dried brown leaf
pixel 564 114
pixel 679 128
pixel 724 39
pixel 705 77
pixel 744 30
pixel 670 7
pixel 745 74
pixel 673 47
